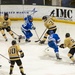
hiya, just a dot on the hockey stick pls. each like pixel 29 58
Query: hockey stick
pixel 36 34
pixel 46 48
pixel 15 33
pixel 41 36
pixel 4 57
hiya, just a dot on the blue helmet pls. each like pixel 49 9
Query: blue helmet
pixel 25 18
pixel 30 18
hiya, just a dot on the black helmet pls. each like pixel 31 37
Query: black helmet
pixel 13 42
pixel 5 14
pixel 44 18
pixel 67 35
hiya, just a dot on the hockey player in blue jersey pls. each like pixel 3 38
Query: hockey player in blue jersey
pixel 27 27
pixel 53 40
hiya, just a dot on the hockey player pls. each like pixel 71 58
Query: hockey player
pixel 15 53
pixel 49 24
pixel 27 27
pixel 53 40
pixel 70 43
pixel 5 24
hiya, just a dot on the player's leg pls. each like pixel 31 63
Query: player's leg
pixel 20 38
pixel 55 47
pixel 11 67
pixel 71 54
pixel 19 63
pixel 10 32
pixel 3 33
pixel 56 50
pixel 28 35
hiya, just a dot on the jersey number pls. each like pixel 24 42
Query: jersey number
pixel 51 22
pixel 13 51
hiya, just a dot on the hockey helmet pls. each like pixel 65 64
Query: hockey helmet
pixel 67 35
pixel 44 18
pixel 30 18
pixel 6 16
pixel 25 18
pixel 13 42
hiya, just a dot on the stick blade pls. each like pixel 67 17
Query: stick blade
pixel 37 40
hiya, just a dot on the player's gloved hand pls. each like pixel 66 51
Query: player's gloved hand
pixel 22 55
pixel 73 40
pixel 33 28
pixel 61 46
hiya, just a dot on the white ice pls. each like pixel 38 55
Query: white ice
pixel 35 61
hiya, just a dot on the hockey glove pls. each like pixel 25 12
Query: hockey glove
pixel 33 28
pixel 22 55
pixel 61 46
pixel 72 40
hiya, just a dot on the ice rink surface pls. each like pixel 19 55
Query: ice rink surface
pixel 35 61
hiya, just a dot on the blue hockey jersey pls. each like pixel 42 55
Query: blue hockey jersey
pixel 28 24
pixel 54 37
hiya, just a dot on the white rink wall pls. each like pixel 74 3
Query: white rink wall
pixel 20 11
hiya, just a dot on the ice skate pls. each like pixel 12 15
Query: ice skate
pixel 23 74
pixel 6 39
pixel 15 38
pixel 42 42
pixel 28 40
pixel 19 38
pixel 57 56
